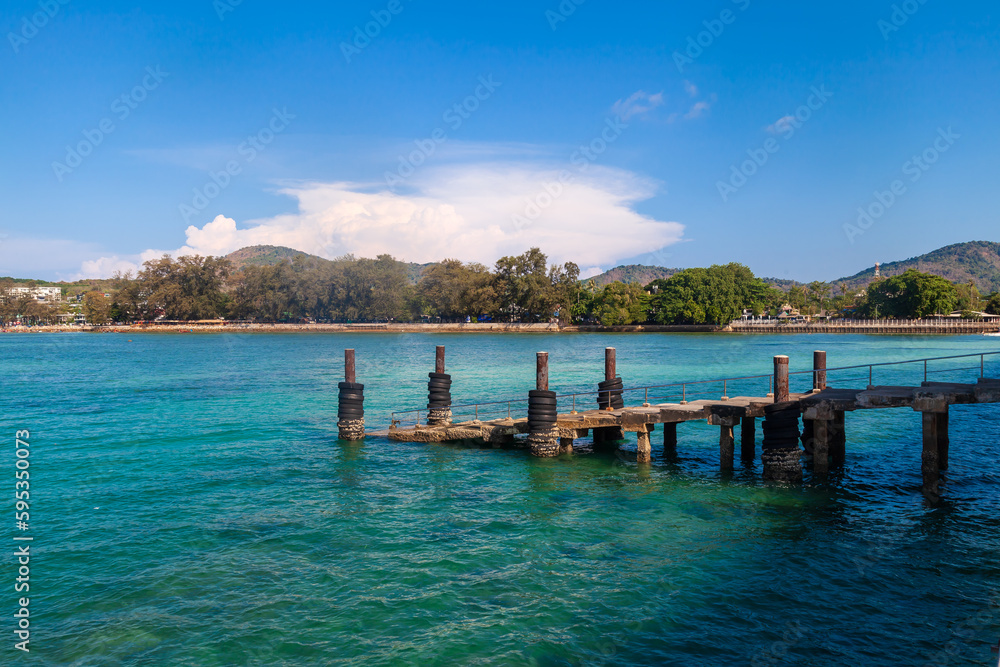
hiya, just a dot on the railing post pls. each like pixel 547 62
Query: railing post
pixel 780 379
pixel 925 370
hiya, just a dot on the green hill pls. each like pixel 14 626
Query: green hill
pixel 632 273
pixel 976 261
pixel 268 255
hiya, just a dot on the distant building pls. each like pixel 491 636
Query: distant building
pixel 46 294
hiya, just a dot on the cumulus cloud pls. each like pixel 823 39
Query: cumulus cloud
pixel 466 212
pixel 637 104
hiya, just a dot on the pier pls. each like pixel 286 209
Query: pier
pixel 604 415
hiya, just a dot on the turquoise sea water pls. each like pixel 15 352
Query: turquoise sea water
pixel 191 505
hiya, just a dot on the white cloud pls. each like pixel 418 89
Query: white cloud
pixel 637 104
pixel 466 212
pixel 781 125
pixel 698 110
pixel 691 89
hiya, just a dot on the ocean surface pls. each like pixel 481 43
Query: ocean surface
pixel 191 505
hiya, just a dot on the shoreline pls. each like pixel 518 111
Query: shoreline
pixel 884 327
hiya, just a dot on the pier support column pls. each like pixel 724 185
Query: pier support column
pixel 838 439
pixel 943 440
pixel 644 453
pixel 727 443
pixel 566 445
pixel 821 446
pixel 670 440
pixel 930 464
pixel 748 439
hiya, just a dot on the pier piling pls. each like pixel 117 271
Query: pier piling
pixel 670 439
pixel 838 439
pixel 819 370
pixel 439 392
pixel 543 436
pixel 351 409
pixel 930 464
pixel 748 439
pixel 781 379
pixel 644 452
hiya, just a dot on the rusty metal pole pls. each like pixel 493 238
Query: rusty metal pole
pixel 780 379
pixel 542 371
pixel 610 364
pixel 439 360
pixel 350 375
pixel 819 370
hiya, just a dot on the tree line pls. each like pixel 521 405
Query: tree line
pixel 522 288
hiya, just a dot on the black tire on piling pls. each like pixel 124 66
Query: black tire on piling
pixel 543 436
pixel 438 399
pixel 351 411
pixel 610 394
pixel 780 455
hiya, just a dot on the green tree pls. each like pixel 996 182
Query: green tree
pixel 620 303
pixel 911 294
pixel 96 308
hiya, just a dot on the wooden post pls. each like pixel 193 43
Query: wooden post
pixel 670 439
pixel 748 439
pixel 780 379
pixel 726 446
pixel 610 364
pixel 838 439
pixel 821 445
pixel 644 454
pixel 349 369
pixel 930 464
pixel 943 440
pixel 819 370
pixel 542 371
pixel 439 360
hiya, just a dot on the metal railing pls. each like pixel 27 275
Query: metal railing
pixel 688 390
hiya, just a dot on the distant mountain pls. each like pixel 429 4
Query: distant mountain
pixel 976 261
pixel 268 255
pixel 633 273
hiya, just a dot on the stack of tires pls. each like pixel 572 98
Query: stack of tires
pixel 610 394
pixel 543 437
pixel 781 456
pixel 351 411
pixel 439 399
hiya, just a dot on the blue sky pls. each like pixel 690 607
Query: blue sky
pixel 602 132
